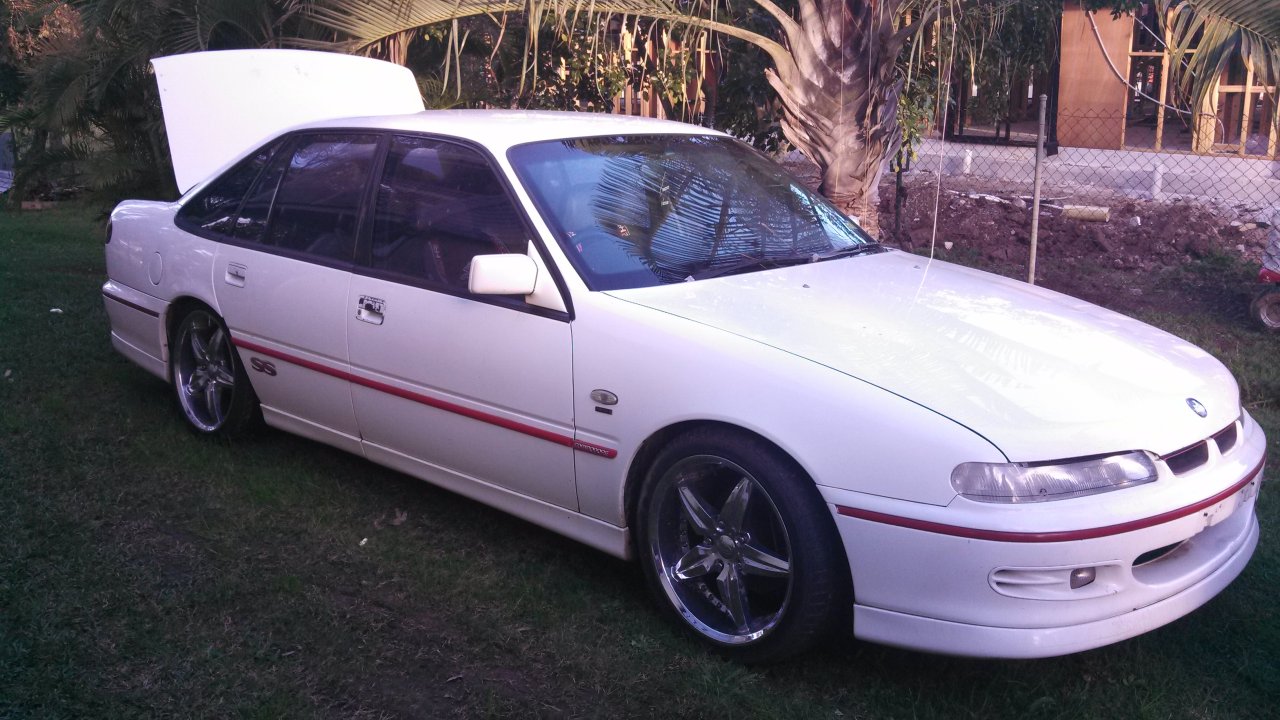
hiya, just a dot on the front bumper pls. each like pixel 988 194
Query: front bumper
pixel 953 589
pixel 955 638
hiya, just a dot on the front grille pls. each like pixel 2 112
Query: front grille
pixel 1189 459
pixel 1227 438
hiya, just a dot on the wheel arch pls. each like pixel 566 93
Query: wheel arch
pixel 173 314
pixel 652 445
pixel 176 311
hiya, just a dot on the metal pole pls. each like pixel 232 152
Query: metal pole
pixel 1035 195
pixel 898 198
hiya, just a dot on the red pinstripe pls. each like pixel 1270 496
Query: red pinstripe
pixel 437 403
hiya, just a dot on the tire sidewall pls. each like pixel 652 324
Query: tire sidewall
pixel 819 567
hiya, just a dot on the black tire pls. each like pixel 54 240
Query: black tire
pixel 777 551
pixel 1266 309
pixel 209 381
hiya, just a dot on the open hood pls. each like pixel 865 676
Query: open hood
pixel 219 105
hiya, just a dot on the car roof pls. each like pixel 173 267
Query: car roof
pixel 502 129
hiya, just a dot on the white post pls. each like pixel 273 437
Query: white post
pixel 1035 194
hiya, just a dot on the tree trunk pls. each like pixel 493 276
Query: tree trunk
pixel 838 86
pixel 852 183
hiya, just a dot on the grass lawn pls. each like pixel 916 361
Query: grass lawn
pixel 147 572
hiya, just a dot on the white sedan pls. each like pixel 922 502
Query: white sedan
pixel 647 337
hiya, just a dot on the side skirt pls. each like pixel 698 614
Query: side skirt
pixel 602 536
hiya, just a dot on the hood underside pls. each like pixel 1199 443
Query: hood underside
pixel 1041 375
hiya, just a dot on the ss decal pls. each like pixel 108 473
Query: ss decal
pixel 262 366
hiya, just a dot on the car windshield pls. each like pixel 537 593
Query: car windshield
pixel 637 211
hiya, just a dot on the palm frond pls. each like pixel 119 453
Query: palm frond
pixel 1206 36
pixel 366 22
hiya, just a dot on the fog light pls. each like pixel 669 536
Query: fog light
pixel 1082 576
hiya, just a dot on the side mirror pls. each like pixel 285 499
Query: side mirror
pixel 510 274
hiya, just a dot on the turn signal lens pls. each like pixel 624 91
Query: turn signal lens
pixel 1039 482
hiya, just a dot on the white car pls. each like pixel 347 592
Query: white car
pixel 645 336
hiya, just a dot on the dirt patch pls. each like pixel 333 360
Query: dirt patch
pixel 1177 257
pixel 1173 257
pixel 1139 235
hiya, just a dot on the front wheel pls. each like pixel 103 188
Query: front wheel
pixel 736 541
pixel 1266 309
pixel 212 388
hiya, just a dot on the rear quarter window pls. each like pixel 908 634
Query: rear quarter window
pixel 214 209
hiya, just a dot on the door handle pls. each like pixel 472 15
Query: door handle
pixel 371 310
pixel 236 274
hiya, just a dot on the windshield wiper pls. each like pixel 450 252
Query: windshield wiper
pixel 768 263
pixel 752 263
pixel 850 251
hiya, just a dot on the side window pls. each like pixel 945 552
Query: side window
pixel 214 209
pixel 256 208
pixel 317 205
pixel 439 205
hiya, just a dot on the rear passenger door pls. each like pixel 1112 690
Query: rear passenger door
pixel 449 386
pixel 282 280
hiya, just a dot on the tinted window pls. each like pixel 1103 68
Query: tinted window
pixel 256 208
pixel 439 205
pixel 647 210
pixel 214 209
pixel 317 206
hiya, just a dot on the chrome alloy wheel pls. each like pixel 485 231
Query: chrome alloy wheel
pixel 720 550
pixel 204 371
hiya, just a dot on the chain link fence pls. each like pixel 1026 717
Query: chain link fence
pixel 1099 155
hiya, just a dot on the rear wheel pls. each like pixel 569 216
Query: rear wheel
pixel 212 387
pixel 1266 309
pixel 736 541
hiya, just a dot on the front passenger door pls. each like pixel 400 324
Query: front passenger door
pixel 448 386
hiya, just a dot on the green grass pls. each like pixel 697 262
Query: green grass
pixel 146 572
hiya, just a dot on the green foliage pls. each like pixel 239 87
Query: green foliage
pixel 83 104
pixel 917 106
pixel 579 70
pixel 746 107
pixel 1000 47
pixel 482 64
pixel 89 112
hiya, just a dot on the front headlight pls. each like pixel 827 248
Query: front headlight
pixel 1038 482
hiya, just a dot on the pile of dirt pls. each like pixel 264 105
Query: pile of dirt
pixel 1170 257
pixel 996 228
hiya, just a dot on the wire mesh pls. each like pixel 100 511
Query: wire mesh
pixel 1105 154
